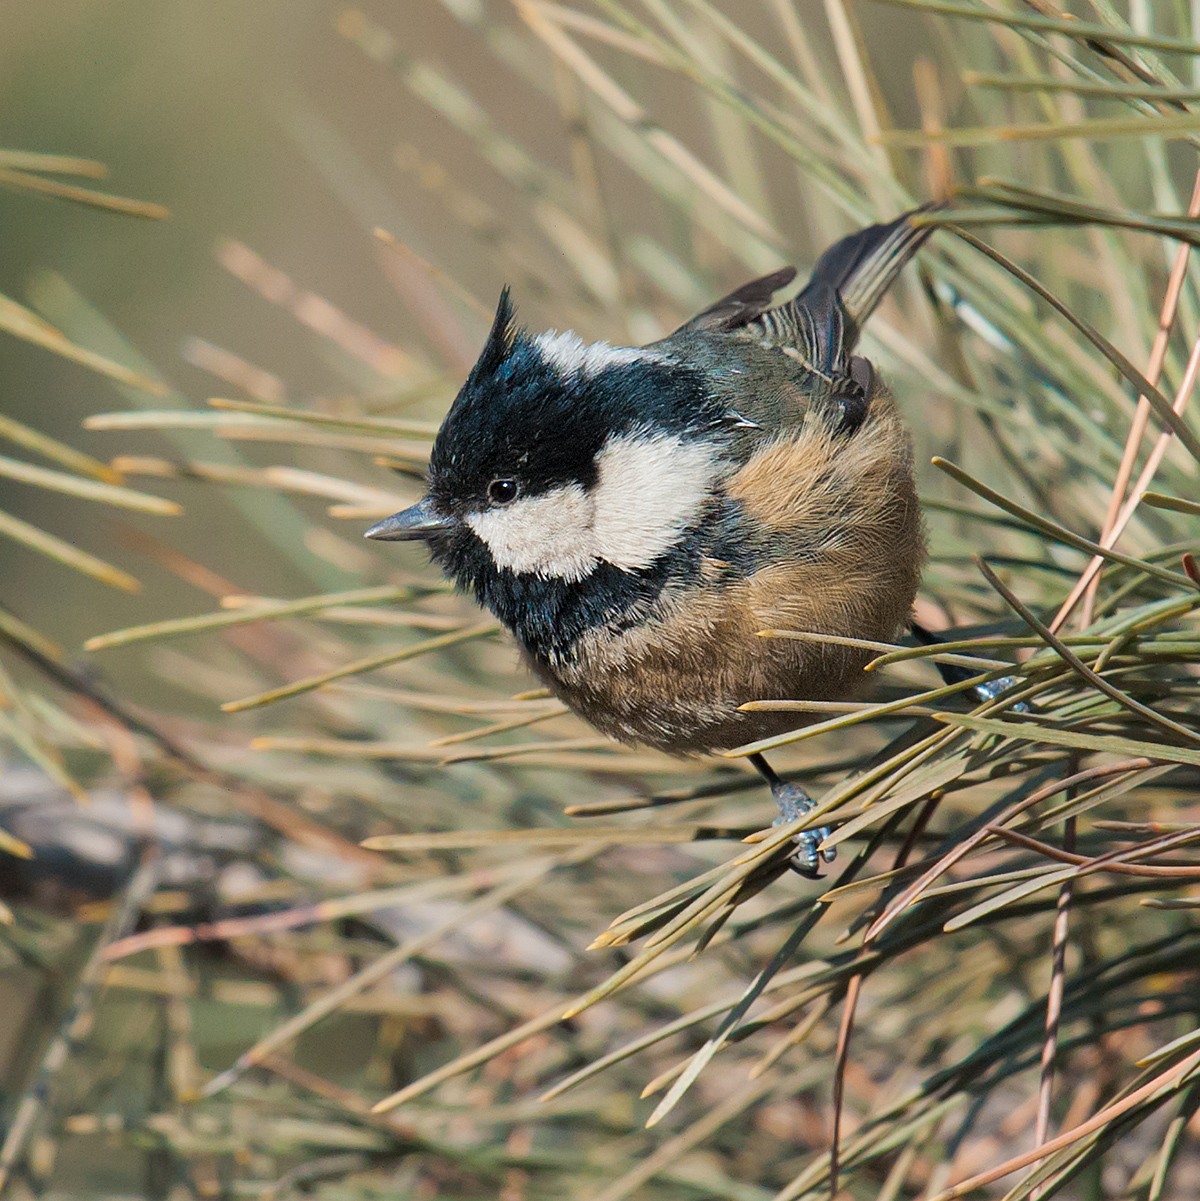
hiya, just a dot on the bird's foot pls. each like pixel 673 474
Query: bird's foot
pixel 995 688
pixel 794 803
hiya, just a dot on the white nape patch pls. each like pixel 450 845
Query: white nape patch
pixel 569 353
pixel 649 489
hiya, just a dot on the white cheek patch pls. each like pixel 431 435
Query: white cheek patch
pixel 548 535
pixel 568 353
pixel 649 489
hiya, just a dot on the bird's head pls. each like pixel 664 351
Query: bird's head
pixel 558 457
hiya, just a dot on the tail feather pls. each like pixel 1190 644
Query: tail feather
pixel 860 268
pixel 823 322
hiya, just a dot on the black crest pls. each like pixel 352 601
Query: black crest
pixel 499 343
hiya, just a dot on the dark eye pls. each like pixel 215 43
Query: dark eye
pixel 501 492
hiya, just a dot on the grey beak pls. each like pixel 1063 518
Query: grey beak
pixel 421 521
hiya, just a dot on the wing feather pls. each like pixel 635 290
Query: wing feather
pixel 742 306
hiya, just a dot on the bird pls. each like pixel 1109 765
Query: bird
pixel 635 516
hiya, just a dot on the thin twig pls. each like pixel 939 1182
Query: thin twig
pixel 1179 871
pixel 1054 998
pixel 1075 662
pixel 1098 1121
pixel 914 891
pixel 853 990
pixel 1141 417
pixel 1092 571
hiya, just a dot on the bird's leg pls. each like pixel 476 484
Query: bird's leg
pixel 794 802
pixel 952 673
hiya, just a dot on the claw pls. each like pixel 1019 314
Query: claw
pixel 794 803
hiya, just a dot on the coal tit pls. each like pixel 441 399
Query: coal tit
pixel 636 515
